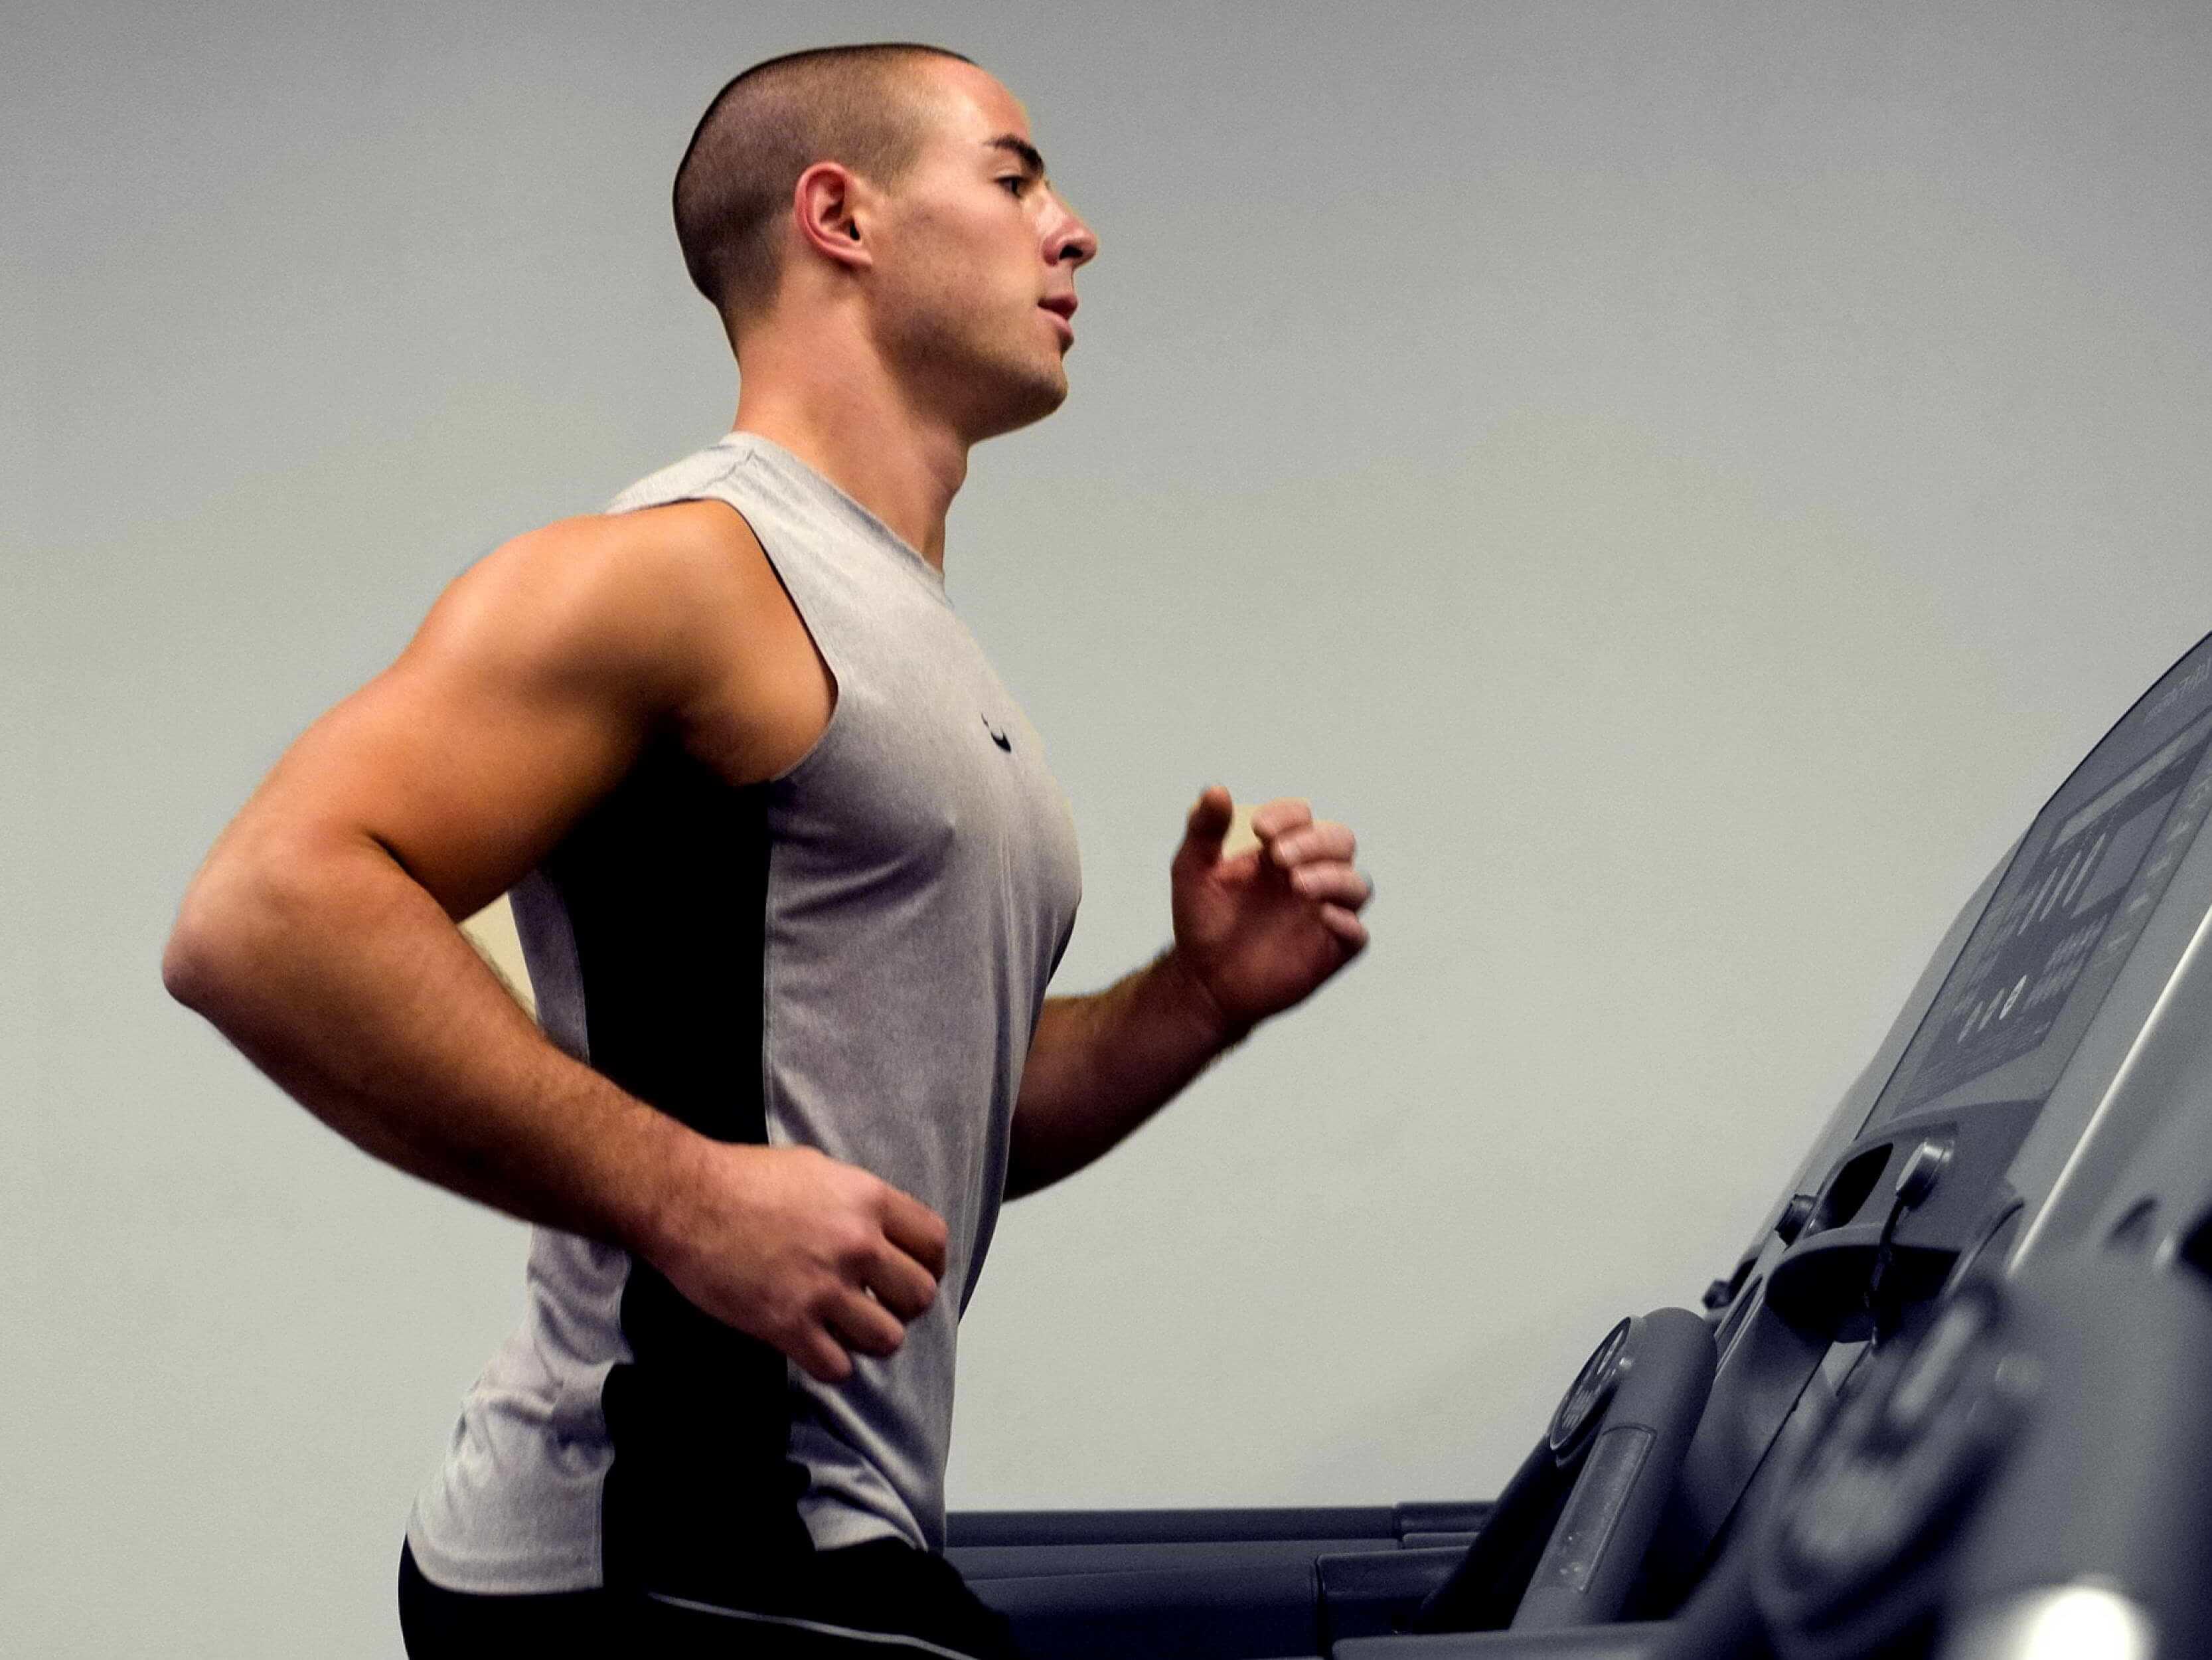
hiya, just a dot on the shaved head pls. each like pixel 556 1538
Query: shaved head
pixel 862 107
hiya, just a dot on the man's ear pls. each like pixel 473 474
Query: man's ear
pixel 828 206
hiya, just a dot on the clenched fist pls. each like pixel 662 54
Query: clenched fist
pixel 819 1259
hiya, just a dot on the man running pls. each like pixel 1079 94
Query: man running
pixel 791 876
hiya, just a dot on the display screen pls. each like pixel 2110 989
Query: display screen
pixel 2085 879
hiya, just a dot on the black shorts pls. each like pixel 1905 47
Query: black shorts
pixel 884 1600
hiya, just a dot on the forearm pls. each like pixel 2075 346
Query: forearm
pixel 1100 1066
pixel 346 982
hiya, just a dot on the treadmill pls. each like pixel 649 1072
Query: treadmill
pixel 1953 1381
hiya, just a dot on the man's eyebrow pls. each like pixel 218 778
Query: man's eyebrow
pixel 1021 148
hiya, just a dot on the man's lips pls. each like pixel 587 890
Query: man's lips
pixel 1062 307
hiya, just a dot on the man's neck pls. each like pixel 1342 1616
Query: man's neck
pixel 851 425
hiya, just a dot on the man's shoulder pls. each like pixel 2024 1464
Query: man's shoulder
pixel 680 597
pixel 643 597
pixel 668 556
pixel 703 535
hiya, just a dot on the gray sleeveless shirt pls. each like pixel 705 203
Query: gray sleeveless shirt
pixel 852 956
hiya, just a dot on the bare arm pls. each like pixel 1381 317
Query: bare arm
pixel 319 935
pixel 1256 933
pixel 1100 1066
pixel 346 982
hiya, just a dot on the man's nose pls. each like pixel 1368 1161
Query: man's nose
pixel 1073 243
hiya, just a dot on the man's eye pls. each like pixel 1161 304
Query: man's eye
pixel 1019 181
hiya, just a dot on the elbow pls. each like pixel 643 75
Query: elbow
pixel 201 965
pixel 204 944
pixel 185 967
pixel 236 909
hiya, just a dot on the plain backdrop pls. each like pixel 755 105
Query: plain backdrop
pixel 1684 481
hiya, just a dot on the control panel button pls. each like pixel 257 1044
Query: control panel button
pixel 1794 1215
pixel 1923 1167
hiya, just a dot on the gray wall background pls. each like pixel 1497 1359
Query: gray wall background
pixel 1684 480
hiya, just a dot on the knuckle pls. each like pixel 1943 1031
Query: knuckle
pixel 853 1244
pixel 872 1196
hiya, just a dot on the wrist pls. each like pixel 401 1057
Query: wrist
pixel 1186 991
pixel 661 1199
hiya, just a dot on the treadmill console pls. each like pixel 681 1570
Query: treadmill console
pixel 2071 905
pixel 2000 1085
pixel 2012 1099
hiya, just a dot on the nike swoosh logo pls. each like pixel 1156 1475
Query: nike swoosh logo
pixel 997 737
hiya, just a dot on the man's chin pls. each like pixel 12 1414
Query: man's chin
pixel 1028 401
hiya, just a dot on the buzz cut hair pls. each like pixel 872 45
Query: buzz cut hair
pixel 854 105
